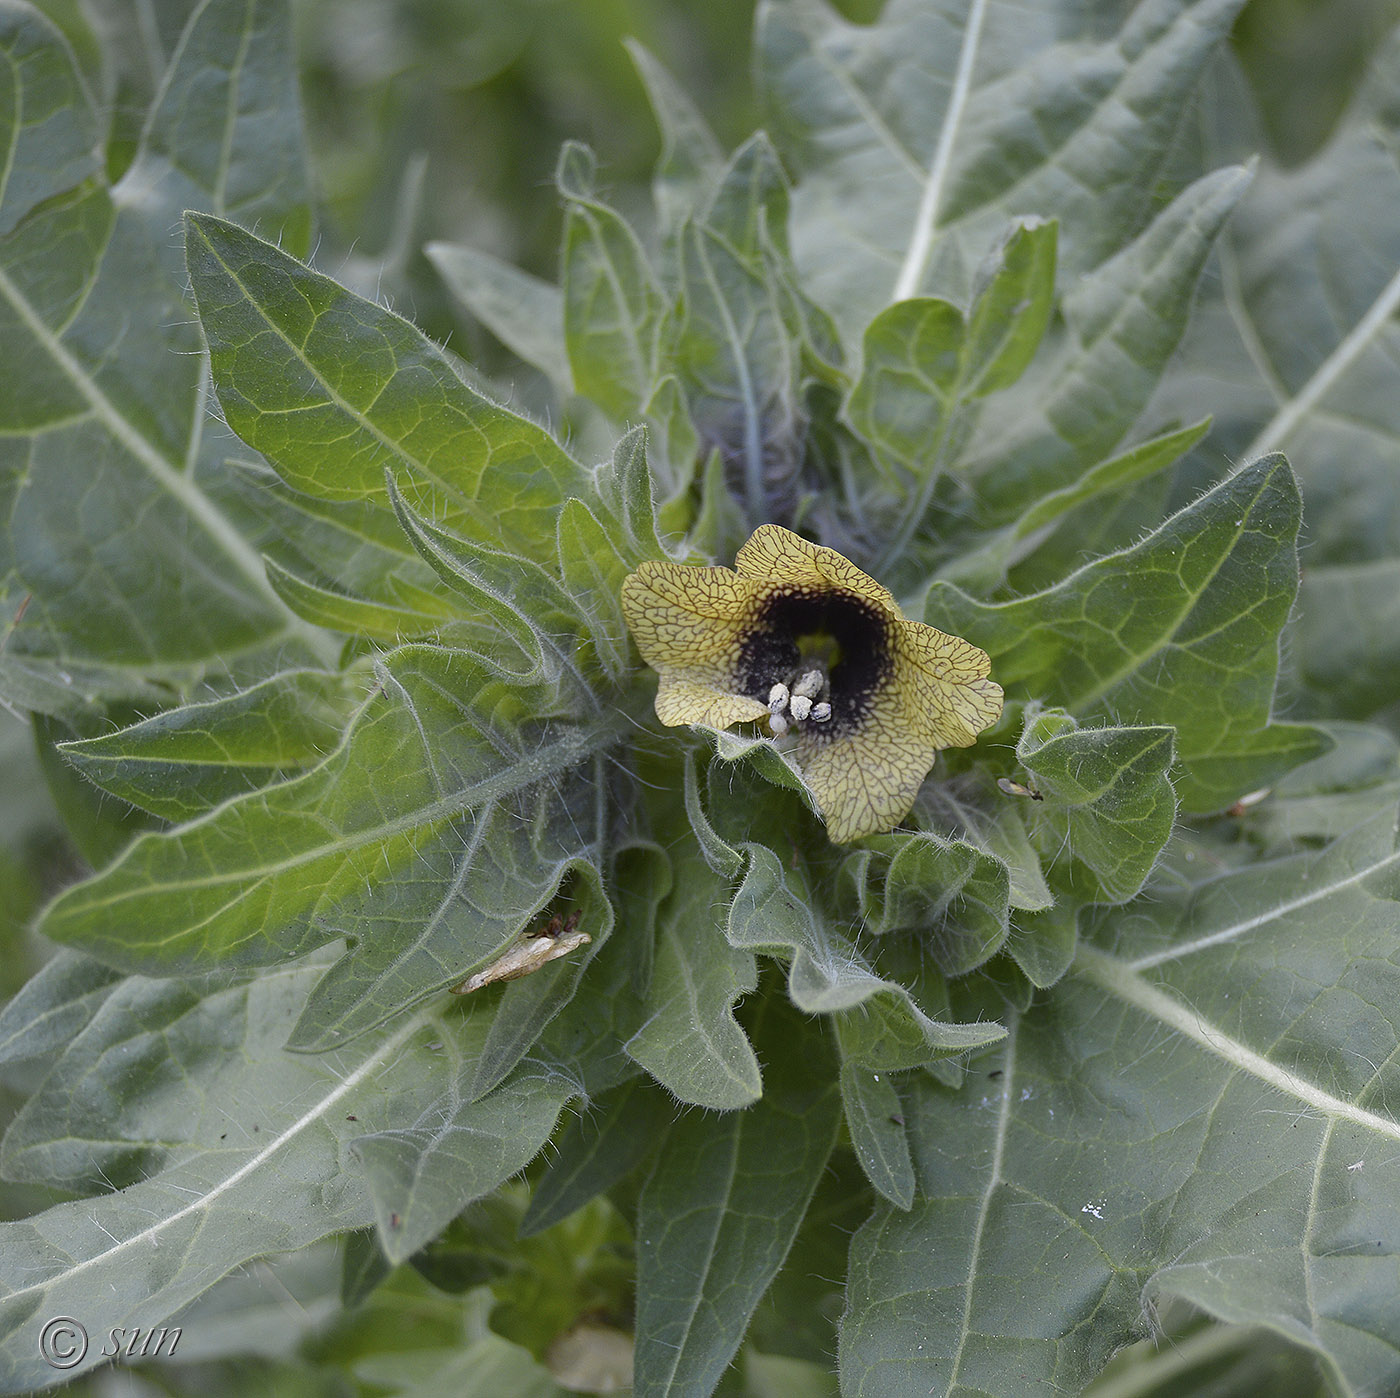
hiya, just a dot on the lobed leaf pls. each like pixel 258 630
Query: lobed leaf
pixel 917 137
pixel 720 1210
pixel 335 390
pixel 1105 799
pixel 612 305
pixel 429 836
pixel 181 763
pixel 248 1144
pixel 1198 1112
pixel 92 298
pixel 525 313
pixel 1181 628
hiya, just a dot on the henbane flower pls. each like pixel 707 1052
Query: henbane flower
pixel 795 635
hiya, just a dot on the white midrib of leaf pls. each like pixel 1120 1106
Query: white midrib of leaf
pixel 638 352
pixel 926 221
pixel 247 881
pixel 1327 374
pixel 994 1179
pixel 182 487
pixel 150 1237
pixel 753 444
pixel 1247 925
pixel 360 418
pixel 1120 979
pixel 701 1267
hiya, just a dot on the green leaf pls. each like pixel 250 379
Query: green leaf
pixel 1350 634
pixel 1093 1078
pixel 750 198
pixel 951 894
pixel 355 547
pixel 112 487
pixel 690 1042
pixel 448 774
pixel 99 829
pixel 985 567
pixel 924 365
pixel 1296 347
pixel 337 610
pixel 916 138
pixel 1182 628
pixel 593 572
pixel 1198 1114
pixel 524 313
pixel 910 373
pixel 49 122
pixel 612 305
pixel 1106 800
pixel 1011 309
pixel 243 1152
pixel 625 485
pixel 1124 320
pixel 596 1149
pixel 1002 833
pixel 53 1005
pixel 1296 351
pixel 526 1014
pixel 736 363
pixel 1332 794
pixel 364 1267
pixel 875 1119
pixel 518 609
pixel 1042 944
pixel 334 390
pixel 720 1210
pixel 183 762
pixel 424 1172
pixel 690 155
pixel 774 911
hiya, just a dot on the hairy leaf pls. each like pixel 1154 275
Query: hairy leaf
pixel 1198 1112
pixel 1182 628
pixel 719 1212
pixel 429 836
pixel 112 483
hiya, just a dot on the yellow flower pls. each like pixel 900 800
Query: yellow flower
pixel 797 636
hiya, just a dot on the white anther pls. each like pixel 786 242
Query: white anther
pixel 777 698
pixel 801 706
pixel 778 724
pixel 810 685
pixel 821 712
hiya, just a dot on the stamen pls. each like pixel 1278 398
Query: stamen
pixel 777 698
pixel 821 712
pixel 778 724
pixel 801 706
pixel 810 685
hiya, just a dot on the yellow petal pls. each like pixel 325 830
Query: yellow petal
pixel 686 617
pixel 945 693
pixel 937 696
pixel 684 700
pixel 865 781
pixel 774 555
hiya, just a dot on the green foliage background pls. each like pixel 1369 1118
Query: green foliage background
pixel 312 651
